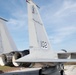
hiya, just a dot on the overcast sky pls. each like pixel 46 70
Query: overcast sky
pixel 58 16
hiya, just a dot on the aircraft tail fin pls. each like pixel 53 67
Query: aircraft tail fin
pixel 6 42
pixel 37 35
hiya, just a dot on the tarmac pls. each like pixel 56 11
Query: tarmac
pixel 69 70
pixel 29 71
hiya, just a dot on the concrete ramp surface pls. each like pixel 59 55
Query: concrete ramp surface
pixel 70 70
pixel 32 71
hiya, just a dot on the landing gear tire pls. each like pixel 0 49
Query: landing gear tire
pixel 62 72
pixel 40 72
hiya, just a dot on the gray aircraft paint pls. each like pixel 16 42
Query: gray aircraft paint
pixel 6 42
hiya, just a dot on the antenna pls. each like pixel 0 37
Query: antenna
pixel 33 2
pixel 3 19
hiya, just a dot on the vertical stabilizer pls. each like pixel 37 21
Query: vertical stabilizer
pixel 37 35
pixel 6 42
pixel 40 48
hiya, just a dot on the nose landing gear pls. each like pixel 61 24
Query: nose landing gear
pixel 62 72
pixel 49 70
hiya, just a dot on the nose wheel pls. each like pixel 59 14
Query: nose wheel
pixel 48 70
pixel 40 72
pixel 62 72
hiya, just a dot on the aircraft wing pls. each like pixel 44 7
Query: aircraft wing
pixel 67 55
pixel 32 58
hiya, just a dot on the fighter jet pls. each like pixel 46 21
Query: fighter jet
pixel 40 48
pixel 40 51
pixel 8 49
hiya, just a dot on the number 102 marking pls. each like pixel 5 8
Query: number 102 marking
pixel 44 44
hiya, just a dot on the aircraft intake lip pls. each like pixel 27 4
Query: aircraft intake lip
pixel 15 57
pixel 18 55
pixel 2 60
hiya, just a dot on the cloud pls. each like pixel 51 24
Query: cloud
pixel 58 11
pixel 62 34
pixel 67 7
pixel 59 19
pixel 18 20
pixel 17 25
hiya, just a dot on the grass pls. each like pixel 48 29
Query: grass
pixel 4 68
pixel 7 68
